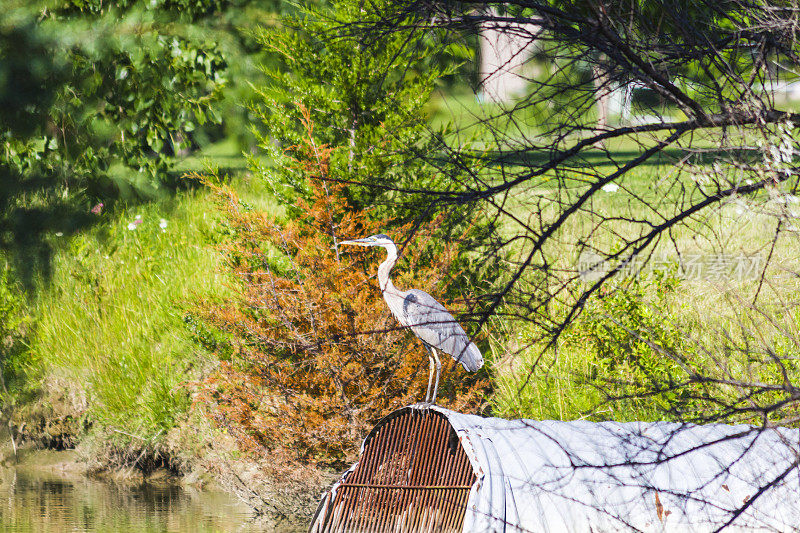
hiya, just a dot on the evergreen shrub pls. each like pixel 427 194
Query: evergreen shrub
pixel 316 357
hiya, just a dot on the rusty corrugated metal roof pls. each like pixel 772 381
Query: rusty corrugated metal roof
pixel 413 475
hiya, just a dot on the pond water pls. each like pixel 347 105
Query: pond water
pixel 34 501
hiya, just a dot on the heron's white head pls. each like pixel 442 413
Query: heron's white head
pixel 381 239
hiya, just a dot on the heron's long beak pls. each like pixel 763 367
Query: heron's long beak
pixel 359 242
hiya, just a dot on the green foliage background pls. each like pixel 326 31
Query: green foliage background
pixel 368 101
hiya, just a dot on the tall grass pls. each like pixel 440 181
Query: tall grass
pixel 574 380
pixel 602 366
pixel 111 319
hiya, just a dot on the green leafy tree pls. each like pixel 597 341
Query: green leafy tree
pixel 97 101
pixel 369 108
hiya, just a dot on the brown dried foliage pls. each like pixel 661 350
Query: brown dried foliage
pixel 317 356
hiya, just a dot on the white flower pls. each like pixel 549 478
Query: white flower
pixel 162 224
pixel 131 226
pixel 610 187
pixel 138 217
pixel 59 234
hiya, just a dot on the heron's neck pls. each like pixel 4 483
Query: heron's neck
pixel 386 267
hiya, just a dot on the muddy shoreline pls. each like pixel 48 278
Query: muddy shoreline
pixel 69 466
pixel 66 464
pixel 50 491
pixel 64 470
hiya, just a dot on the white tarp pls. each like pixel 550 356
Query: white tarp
pixel 585 476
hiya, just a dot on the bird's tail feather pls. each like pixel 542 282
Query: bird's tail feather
pixel 471 359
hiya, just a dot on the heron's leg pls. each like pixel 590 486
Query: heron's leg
pixel 438 371
pixel 430 376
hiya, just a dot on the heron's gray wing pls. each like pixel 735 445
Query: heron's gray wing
pixel 432 323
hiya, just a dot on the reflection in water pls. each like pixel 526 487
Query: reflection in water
pixel 34 502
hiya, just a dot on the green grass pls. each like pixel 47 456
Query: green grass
pixel 551 388
pixel 595 369
pixel 110 321
pixel 111 338
pixel 225 153
pixel 571 382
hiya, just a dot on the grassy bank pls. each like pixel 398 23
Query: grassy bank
pixel 111 345
pixel 613 361
pixel 112 319
pixel 113 328
pixel 114 350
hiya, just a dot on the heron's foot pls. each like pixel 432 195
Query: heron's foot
pixel 426 404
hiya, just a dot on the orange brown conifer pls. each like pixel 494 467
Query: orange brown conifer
pixel 317 357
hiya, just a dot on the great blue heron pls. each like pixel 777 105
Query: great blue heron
pixel 427 318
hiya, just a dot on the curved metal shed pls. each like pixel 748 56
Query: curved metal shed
pixel 430 469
